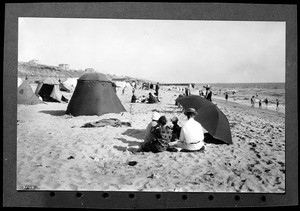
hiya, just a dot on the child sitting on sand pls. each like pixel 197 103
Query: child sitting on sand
pixel 175 129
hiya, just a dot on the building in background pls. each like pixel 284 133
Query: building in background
pixel 64 66
pixel 33 61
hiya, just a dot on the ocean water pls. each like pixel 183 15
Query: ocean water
pixel 244 91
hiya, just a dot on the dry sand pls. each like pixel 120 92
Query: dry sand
pixel 55 153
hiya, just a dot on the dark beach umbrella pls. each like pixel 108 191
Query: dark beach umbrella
pixel 193 101
pixel 209 116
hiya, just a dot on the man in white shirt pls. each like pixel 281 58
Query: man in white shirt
pixel 191 135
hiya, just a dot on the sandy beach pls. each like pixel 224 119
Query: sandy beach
pixel 55 153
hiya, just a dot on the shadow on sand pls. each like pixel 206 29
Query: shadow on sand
pixel 136 144
pixel 54 112
pixel 135 133
pixel 209 139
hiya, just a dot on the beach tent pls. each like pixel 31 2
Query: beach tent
pixel 49 90
pixel 69 84
pixel 65 88
pixel 94 95
pixel 26 96
pixel 20 81
pixel 122 84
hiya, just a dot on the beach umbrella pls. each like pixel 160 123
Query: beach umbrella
pixel 209 116
pixel 193 101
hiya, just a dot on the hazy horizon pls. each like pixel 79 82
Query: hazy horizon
pixel 196 51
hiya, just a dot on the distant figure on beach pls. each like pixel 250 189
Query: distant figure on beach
pixel 179 96
pixel 152 98
pixel 259 103
pixel 133 99
pixel 201 93
pixel 162 136
pixel 266 102
pixel 151 86
pixel 175 129
pixel 142 99
pixel 133 90
pixel 123 90
pixel 187 91
pixel 208 92
pixel 252 101
pixel 156 90
pixel 226 96
pixel 191 135
pixel 277 104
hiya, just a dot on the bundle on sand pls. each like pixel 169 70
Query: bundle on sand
pixel 107 122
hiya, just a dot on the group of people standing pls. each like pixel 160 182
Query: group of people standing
pixel 161 137
pixel 266 101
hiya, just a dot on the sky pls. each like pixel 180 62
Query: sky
pixel 167 51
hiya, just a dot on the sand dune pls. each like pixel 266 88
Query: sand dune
pixel 55 153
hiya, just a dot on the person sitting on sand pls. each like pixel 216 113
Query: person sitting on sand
pixel 191 135
pixel 149 137
pixel 162 135
pixel 152 98
pixel 142 99
pixel 175 129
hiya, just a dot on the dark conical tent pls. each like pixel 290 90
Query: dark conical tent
pixel 49 90
pixel 26 96
pixel 94 95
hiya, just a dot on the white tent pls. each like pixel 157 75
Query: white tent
pixel 71 82
pixel 122 84
pixel 20 81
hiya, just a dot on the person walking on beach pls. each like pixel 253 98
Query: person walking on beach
pixel 259 103
pixel 226 96
pixel 156 91
pixel 277 104
pixel 208 92
pixel 266 102
pixel 187 91
pixel 191 134
pixel 252 101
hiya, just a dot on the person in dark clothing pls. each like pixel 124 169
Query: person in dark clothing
pixel 156 90
pixel 259 103
pixel 226 96
pixel 175 129
pixel 208 92
pixel 152 98
pixel 162 134
pixel 151 86
pixel 133 99
pixel 266 102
